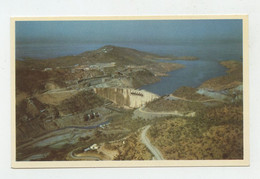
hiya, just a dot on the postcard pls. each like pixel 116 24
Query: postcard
pixel 130 91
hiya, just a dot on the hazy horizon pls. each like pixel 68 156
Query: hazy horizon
pixel 133 31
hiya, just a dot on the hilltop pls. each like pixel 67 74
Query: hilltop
pixel 109 53
pixel 120 55
pixel 106 54
pixel 89 107
pixel 141 67
pixel 53 94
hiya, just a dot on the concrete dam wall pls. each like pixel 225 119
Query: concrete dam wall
pixel 126 97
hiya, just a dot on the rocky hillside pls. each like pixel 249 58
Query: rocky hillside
pixel 109 53
pixel 215 132
pixel 120 55
pixel 51 93
pixel 233 78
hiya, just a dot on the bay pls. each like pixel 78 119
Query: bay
pixel 193 75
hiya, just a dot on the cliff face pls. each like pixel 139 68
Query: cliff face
pixel 126 97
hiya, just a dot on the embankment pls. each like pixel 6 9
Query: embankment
pixel 126 97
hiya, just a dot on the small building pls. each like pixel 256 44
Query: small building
pixel 96 114
pixel 91 115
pixel 94 147
pixel 47 69
pixel 87 117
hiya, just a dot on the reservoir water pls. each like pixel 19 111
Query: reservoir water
pixel 193 75
pixel 196 72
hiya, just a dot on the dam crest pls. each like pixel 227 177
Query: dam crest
pixel 126 97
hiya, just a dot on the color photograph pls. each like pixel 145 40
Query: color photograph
pixel 141 89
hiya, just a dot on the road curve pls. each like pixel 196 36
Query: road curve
pixel 140 112
pixel 195 101
pixel 157 154
pixel 176 113
pixel 53 132
pixel 89 157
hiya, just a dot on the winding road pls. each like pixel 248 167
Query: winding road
pixel 142 113
pixel 59 132
pixel 84 157
pixel 157 154
pixel 194 101
pixel 176 113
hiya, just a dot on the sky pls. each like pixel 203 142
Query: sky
pixel 132 31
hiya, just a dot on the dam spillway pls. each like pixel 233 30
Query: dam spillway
pixel 126 97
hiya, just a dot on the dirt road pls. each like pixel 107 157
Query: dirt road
pixel 142 113
pixel 194 101
pixel 89 157
pixel 157 154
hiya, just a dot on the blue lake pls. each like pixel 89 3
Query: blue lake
pixel 193 75
pixel 196 72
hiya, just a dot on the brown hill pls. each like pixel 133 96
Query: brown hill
pixel 109 53
pixel 120 55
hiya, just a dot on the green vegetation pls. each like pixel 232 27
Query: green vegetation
pixel 125 121
pixel 80 102
pixel 215 133
pixel 56 93
pixel 161 104
pixel 143 77
pixel 189 93
pixel 133 149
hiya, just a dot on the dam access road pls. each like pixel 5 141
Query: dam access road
pixel 157 154
pixel 65 104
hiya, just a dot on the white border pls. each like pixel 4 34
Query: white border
pixel 130 7
pixel 62 164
